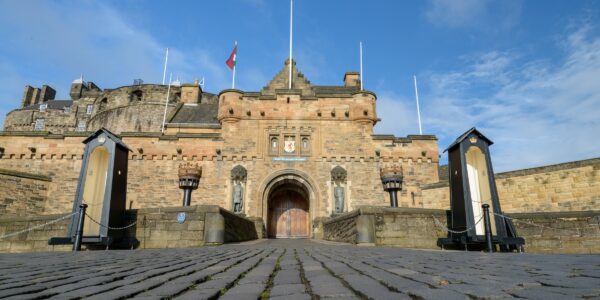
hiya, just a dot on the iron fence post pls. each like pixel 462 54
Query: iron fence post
pixel 488 227
pixel 79 233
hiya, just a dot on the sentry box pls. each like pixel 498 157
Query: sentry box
pixel 103 187
pixel 472 184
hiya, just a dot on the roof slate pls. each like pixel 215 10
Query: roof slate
pixel 201 113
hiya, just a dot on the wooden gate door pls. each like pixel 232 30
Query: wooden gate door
pixel 288 216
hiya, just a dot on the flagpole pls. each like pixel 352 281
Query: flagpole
pixel 418 111
pixel 234 64
pixel 361 69
pixel 291 65
pixel 162 128
pixel 165 70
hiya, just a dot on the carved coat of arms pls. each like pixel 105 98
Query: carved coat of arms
pixel 289 146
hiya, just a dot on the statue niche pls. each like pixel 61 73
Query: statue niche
pixel 238 184
pixel 338 180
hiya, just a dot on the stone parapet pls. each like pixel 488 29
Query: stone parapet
pixel 559 232
pixel 154 228
pixel 571 186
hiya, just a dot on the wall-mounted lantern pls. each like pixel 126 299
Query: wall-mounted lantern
pixel 189 179
pixel 391 178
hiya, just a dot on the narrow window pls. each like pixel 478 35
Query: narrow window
pixel 81 126
pixel 89 109
pixel 39 124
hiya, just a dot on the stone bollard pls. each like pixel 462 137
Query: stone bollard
pixel 79 232
pixel 365 227
pixel 214 227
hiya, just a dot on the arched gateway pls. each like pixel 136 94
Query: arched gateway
pixel 288 202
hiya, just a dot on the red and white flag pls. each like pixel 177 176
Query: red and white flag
pixel 232 59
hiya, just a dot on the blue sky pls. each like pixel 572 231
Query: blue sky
pixel 526 73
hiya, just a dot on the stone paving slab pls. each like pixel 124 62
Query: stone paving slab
pixel 297 269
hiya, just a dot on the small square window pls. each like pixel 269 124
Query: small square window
pixel 81 126
pixel 67 109
pixel 39 124
pixel 43 107
pixel 89 109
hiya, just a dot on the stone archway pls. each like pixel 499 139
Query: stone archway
pixel 289 203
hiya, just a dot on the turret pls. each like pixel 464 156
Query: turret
pixel 230 108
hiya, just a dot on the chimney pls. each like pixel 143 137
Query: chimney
pixel 35 97
pixel 352 79
pixel 191 92
pixel 47 93
pixel 27 95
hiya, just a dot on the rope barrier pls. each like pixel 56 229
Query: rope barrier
pixel 108 227
pixel 439 224
pixel 38 226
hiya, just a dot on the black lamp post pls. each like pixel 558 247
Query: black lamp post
pixel 189 179
pixel 391 178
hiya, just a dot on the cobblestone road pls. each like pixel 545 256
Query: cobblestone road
pixel 297 269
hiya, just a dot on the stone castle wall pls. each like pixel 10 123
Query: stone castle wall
pixel 154 161
pixel 22 192
pixel 573 186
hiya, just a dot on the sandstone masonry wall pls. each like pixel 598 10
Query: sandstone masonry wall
pixel 559 232
pixel 563 232
pixel 22 193
pixel 154 228
pixel 572 186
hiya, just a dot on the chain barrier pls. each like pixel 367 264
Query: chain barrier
pixel 38 226
pixel 439 224
pixel 108 227
pixel 578 232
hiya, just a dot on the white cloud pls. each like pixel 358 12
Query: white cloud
pixel 97 40
pixel 538 112
pixel 483 15
pixel 455 13
pixel 395 112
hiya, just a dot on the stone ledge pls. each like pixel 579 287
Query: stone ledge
pixel 364 210
pixel 13 218
pixel 194 208
pixel 550 168
pixel 555 215
pixel 429 186
pixel 25 175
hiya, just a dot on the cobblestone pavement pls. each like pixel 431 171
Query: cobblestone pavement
pixel 297 269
